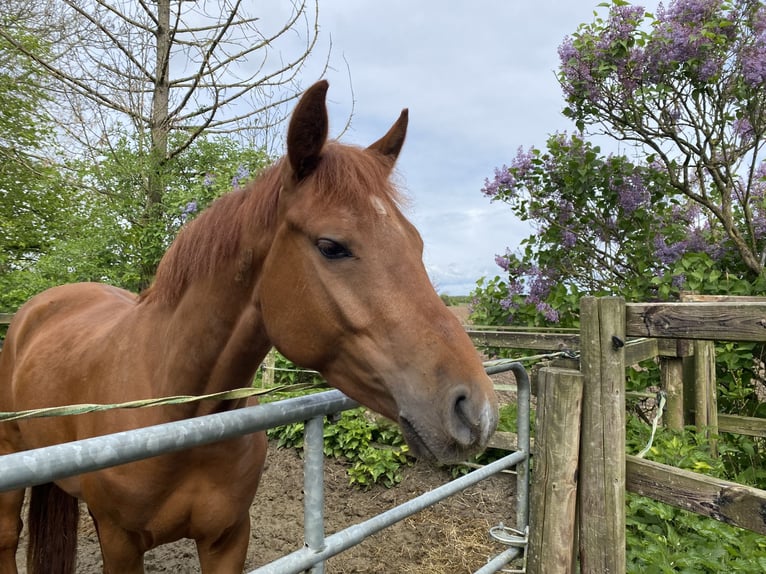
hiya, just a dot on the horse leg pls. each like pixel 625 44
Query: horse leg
pixel 122 551
pixel 10 528
pixel 226 554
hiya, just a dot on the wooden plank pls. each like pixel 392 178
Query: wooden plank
pixel 726 501
pixel 553 495
pixel 697 297
pixel 750 426
pixel 506 440
pixel 706 393
pixel 602 446
pixel 672 382
pixel 640 350
pixel 515 340
pixel 675 347
pixel 5 318
pixel 729 321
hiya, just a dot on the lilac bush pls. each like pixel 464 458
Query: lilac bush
pixel 685 87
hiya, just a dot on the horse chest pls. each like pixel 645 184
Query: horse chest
pixel 179 495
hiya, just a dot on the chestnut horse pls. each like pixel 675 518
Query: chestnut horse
pixel 316 259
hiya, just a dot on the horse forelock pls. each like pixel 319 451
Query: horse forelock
pixel 344 176
pixel 352 176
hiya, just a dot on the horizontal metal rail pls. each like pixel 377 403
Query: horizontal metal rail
pixel 317 548
pixel 42 465
pixel 304 558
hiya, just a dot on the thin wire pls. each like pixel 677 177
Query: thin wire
pixel 661 398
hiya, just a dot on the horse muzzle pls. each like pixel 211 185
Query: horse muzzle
pixel 461 428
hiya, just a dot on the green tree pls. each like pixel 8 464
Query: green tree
pixel 164 74
pixel 30 198
pixel 99 241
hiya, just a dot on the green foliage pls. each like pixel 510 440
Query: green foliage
pixel 288 373
pixel 32 198
pixel 662 539
pixel 92 226
pixel 454 300
pixel 373 448
pixel 208 168
pixel 665 539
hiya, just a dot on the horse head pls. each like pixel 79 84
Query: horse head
pixel 344 290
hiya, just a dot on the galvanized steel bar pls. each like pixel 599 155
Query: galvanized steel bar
pixel 518 543
pixel 304 558
pixel 42 465
pixel 500 561
pixel 313 488
pixel 523 400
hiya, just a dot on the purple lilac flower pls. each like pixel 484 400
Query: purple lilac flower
pixel 548 312
pixel 502 182
pixel 576 70
pixel 753 60
pixel 632 193
pixel 678 281
pixel 187 210
pixel 209 179
pixel 243 174
pixel 665 253
pixel 758 200
pixel 502 262
pixel 523 161
pixel 753 56
pixel 668 253
pixel 682 35
pixel 540 284
pixel 743 129
pixel 576 66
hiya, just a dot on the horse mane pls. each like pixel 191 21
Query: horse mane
pixel 213 238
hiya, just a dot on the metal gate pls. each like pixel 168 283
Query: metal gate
pixel 40 466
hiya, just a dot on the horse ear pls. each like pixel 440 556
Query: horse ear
pixel 307 132
pixel 391 144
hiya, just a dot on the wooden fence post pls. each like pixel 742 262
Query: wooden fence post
pixel 672 382
pixel 602 446
pixel 267 379
pixel 553 494
pixel 706 390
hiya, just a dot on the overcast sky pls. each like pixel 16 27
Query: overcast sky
pixel 479 80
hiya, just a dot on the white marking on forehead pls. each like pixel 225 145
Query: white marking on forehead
pixel 378 204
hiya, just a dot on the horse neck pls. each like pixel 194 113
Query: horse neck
pixel 210 336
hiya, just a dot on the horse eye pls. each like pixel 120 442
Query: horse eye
pixel 332 249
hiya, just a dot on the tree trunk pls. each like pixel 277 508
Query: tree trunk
pixel 159 127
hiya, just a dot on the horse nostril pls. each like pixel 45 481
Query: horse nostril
pixel 463 424
pixel 472 419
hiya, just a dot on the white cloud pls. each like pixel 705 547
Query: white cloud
pixel 479 80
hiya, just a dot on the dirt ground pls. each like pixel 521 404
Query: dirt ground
pixel 451 537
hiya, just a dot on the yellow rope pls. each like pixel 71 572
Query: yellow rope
pixel 80 409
